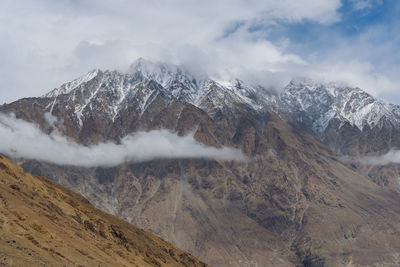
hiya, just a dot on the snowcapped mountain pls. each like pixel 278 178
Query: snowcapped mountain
pixel 345 118
pixel 109 92
pixel 107 105
pixel 342 116
pixel 178 82
pixel 265 211
pixel 318 104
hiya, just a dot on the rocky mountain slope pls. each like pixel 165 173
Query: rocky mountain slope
pixel 44 224
pixel 347 119
pixel 267 211
pixel 106 105
pixel 98 104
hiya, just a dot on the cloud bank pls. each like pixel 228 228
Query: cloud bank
pixel 46 43
pixel 22 139
pixel 393 156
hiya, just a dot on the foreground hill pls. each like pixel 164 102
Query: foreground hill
pixel 44 224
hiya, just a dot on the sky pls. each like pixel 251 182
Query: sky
pixel 44 43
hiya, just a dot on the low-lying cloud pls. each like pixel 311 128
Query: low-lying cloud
pixel 393 156
pixel 22 139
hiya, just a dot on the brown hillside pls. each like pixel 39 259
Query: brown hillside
pixel 44 224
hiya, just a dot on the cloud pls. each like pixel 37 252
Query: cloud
pixel 50 119
pixel 22 139
pixel 364 4
pixel 355 73
pixel 46 43
pixel 393 156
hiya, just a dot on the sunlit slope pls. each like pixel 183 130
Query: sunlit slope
pixel 44 224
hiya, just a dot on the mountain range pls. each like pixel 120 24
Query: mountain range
pixel 294 203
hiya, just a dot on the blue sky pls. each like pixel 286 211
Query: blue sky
pixel 309 36
pixel 45 43
pixel 367 33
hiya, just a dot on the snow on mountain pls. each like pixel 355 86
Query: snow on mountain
pixel 68 87
pixel 317 104
pixel 311 103
pixel 109 92
pixel 178 82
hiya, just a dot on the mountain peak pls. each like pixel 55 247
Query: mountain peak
pixel 70 86
pixel 147 66
pixel 152 68
pixel 319 103
pixel 166 74
pixel 317 84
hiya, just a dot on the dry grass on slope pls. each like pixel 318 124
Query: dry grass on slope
pixel 44 224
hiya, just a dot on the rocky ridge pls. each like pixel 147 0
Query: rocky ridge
pixel 343 117
pixel 45 224
pixel 268 211
pixel 347 119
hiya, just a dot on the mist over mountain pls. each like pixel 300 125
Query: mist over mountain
pixel 22 139
pixel 245 133
pixel 249 175
pixel 327 110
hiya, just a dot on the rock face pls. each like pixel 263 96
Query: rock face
pixel 292 204
pixel 45 224
pixel 107 105
pixel 347 119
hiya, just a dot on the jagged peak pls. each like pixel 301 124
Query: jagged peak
pixel 69 86
pixel 325 101
pixel 148 66
pixel 334 88
pixel 161 72
pixel 305 81
pixel 315 84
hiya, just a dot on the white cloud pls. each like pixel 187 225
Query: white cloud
pixel 393 156
pixel 364 4
pixel 22 139
pixel 50 119
pixel 355 73
pixel 45 43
